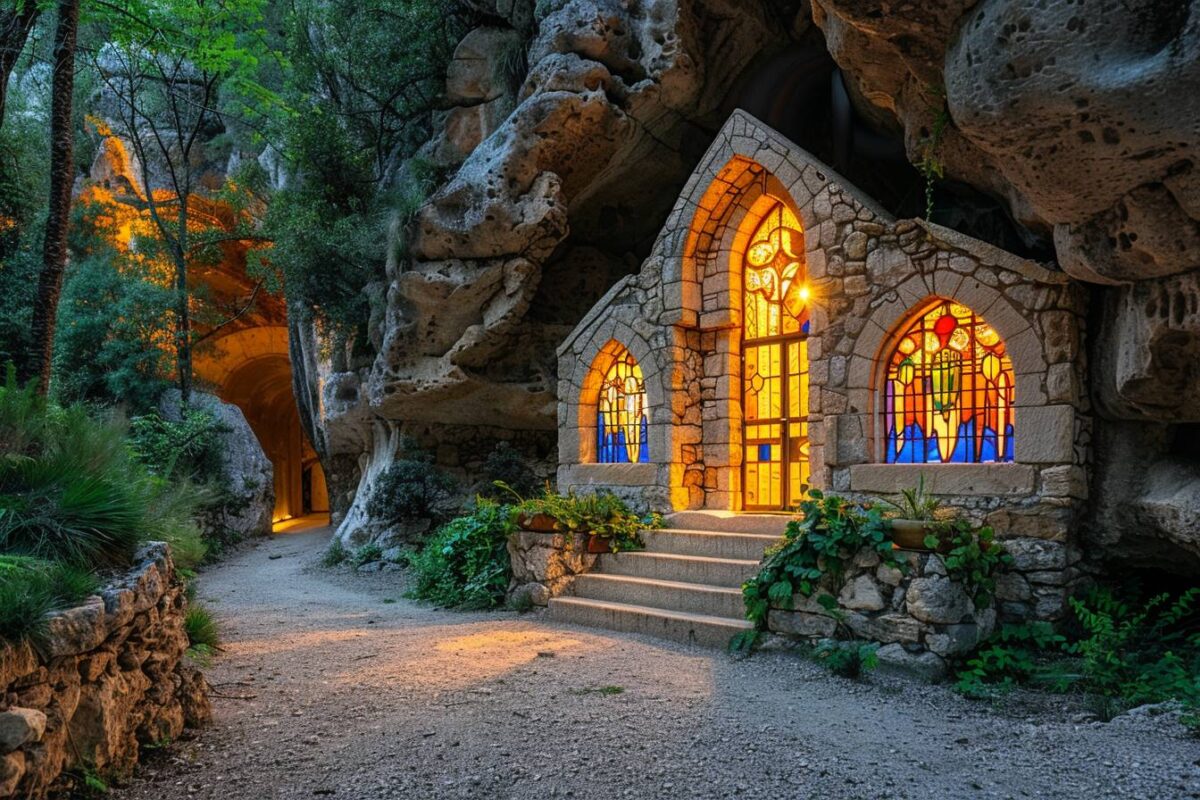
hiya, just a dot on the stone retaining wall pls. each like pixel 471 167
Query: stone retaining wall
pixel 545 564
pixel 921 616
pixel 109 676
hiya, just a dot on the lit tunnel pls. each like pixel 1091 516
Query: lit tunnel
pixel 250 369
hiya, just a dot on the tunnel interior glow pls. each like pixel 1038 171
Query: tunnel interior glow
pixel 250 369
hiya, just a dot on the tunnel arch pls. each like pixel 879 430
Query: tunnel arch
pixel 250 368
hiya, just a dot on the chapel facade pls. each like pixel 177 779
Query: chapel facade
pixel 786 333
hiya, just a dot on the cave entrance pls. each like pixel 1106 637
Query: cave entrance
pixel 251 369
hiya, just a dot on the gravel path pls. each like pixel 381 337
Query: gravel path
pixel 332 685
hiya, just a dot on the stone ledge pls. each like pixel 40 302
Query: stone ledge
pixel 609 474
pixel 944 479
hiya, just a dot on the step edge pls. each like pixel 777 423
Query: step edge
pixel 682 616
pixel 685 585
pixel 680 556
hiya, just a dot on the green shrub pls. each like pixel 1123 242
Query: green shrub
pixel 1140 652
pixel 71 491
pixel 32 588
pixel 411 488
pixel 1124 651
pixel 367 554
pixel 335 554
pixel 505 466
pixel 1012 655
pixel 465 564
pixel 190 447
pixel 847 659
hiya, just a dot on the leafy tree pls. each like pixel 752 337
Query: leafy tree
pixel 168 64
pixel 16 23
pixel 365 79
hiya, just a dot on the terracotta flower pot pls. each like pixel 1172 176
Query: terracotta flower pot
pixel 538 523
pixel 598 544
pixel 909 534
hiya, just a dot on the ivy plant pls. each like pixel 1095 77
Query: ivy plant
pixel 973 558
pixel 814 553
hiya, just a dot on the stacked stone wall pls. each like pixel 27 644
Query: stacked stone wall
pixel 921 615
pixel 109 676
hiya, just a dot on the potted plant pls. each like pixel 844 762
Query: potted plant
pixel 917 517
pixel 609 524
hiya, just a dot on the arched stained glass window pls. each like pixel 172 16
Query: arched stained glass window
pixel 776 292
pixel 948 394
pixel 622 422
pixel 775 464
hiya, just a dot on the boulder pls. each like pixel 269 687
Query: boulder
pixel 19 726
pixel 938 600
pixel 248 478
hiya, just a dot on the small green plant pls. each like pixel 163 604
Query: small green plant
pixel 601 514
pixel 1120 650
pixel 916 503
pixel 335 554
pixel 1140 652
pixel 202 628
pixel 31 588
pixel 930 166
pixel 367 554
pixel 1012 655
pixel 973 558
pixel 411 488
pixel 814 553
pixel 847 659
pixel 466 564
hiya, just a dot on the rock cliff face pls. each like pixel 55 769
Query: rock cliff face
pixel 1082 123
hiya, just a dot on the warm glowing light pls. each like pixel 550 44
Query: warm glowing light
pixel 776 295
pixel 949 400
pixel 622 421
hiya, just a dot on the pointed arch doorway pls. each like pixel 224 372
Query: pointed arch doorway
pixel 775 327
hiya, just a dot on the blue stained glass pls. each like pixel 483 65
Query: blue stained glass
pixel 764 452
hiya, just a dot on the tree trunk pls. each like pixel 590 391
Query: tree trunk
pixel 62 174
pixel 183 317
pixel 15 27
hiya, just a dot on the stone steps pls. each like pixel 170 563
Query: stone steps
pixel 679 626
pixel 747 546
pixel 696 598
pixel 731 572
pixel 685 586
pixel 772 525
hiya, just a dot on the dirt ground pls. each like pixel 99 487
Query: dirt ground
pixel 333 685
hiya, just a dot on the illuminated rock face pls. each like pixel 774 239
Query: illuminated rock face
pixel 245 363
pixel 1084 123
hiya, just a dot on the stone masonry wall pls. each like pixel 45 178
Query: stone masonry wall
pixel 922 616
pixel 109 676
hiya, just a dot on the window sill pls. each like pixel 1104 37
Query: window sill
pixel 945 479
pixel 612 474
